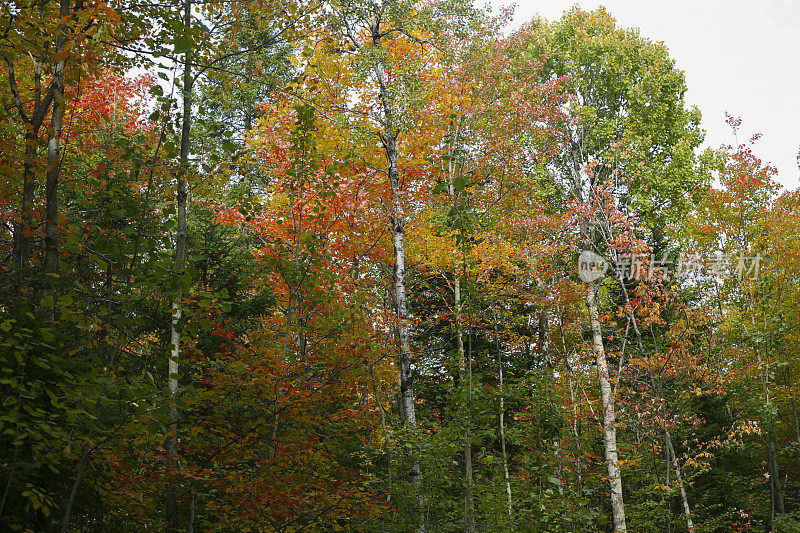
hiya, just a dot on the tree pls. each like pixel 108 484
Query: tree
pixel 50 35
pixel 631 136
pixel 734 224
pixel 383 50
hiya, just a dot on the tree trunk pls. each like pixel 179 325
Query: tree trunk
pixel 609 419
pixel 406 374
pixel 469 500
pixel 509 501
pixel 404 358
pixel 544 340
pixel 180 256
pixel 75 486
pixel 775 479
pixel 397 221
pixel 398 241
pixel 576 432
pixel 51 267
pixel 24 228
pixel 796 420
pixel 684 499
pixel 190 522
pixel 667 501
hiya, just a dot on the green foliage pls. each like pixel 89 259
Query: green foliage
pixel 632 121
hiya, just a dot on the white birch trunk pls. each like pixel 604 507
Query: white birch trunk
pixel 54 167
pixel 180 257
pixel 509 501
pixel 397 222
pixel 609 418
pixel 679 478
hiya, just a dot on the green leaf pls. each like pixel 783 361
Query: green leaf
pixel 182 45
pixel 47 335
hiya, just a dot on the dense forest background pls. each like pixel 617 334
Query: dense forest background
pixel 382 265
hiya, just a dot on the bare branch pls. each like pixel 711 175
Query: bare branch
pixel 12 82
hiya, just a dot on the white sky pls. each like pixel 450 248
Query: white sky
pixel 739 56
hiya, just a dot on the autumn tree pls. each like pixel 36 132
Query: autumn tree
pixel 386 51
pixel 631 137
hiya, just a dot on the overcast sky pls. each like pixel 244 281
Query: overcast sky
pixel 739 56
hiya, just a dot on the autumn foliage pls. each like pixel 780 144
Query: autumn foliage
pixel 315 267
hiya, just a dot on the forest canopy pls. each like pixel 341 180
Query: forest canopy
pixel 382 266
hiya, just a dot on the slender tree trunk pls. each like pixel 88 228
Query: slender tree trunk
pixel 775 479
pixel 404 358
pixel 469 499
pixel 24 229
pixel 667 469
pixel 273 436
pixel 576 431
pixel 509 501
pixel 609 419
pixel 397 221
pixel 679 478
pixel 172 428
pixel 796 420
pixel 190 523
pixel 74 492
pixel 544 340
pixel 401 301
pixel 51 242
pixel 606 395
pixel 180 256
pixel 406 373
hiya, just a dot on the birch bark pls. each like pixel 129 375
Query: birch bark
pixel 609 417
pixel 180 256
pixel 679 478
pixel 397 221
